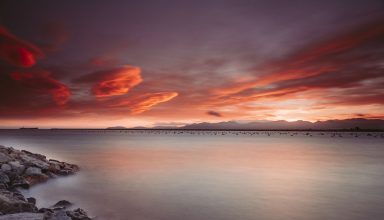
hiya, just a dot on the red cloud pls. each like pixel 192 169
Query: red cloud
pixel 17 52
pixel 43 83
pixel 113 82
pixel 144 102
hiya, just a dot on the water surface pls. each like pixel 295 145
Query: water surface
pixel 213 175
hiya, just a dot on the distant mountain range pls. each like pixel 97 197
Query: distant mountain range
pixel 356 123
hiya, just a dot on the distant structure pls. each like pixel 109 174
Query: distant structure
pixel 24 128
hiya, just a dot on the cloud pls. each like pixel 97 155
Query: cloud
pixel 42 83
pixel 345 61
pixel 213 113
pixel 113 82
pixel 360 48
pixel 17 52
pixel 142 103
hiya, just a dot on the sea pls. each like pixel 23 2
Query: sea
pixel 212 175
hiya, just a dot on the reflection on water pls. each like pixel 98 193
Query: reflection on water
pixel 266 176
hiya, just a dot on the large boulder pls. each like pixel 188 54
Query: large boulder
pixel 4 158
pixel 63 204
pixel 17 167
pixel 33 171
pixel 14 202
pixel 32 161
pixel 33 175
pixel 4 178
pixel 6 167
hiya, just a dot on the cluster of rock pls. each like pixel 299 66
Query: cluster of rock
pixel 22 169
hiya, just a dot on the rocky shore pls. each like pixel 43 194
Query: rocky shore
pixel 23 169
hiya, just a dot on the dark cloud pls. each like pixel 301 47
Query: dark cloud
pixel 213 113
pixel 27 94
pixel 17 52
pixel 346 61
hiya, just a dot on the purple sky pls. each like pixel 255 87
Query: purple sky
pixel 146 62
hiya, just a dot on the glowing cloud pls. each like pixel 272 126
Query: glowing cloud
pixel 145 102
pixel 17 52
pixel 113 82
pixel 43 83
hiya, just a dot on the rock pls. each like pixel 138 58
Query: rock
pixel 31 200
pixel 45 210
pixel 19 181
pixel 36 178
pixel 78 214
pixel 4 158
pixel 33 171
pixel 6 167
pixel 34 155
pixel 65 172
pixel 17 167
pixel 33 176
pixel 23 216
pixel 53 167
pixel 14 202
pixel 32 161
pixel 62 203
pixel 3 186
pixel 58 215
pixel 23 169
pixel 4 178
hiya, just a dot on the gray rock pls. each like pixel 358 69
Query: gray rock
pixel 78 214
pixel 6 167
pixel 19 181
pixel 14 202
pixel 23 216
pixel 37 156
pixel 31 200
pixel 4 177
pixel 29 160
pixel 33 171
pixel 4 157
pixel 62 203
pixel 17 167
pixel 58 215
pixel 36 178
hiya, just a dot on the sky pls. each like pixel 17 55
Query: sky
pixel 96 63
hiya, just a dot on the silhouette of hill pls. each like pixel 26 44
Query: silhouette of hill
pixel 356 123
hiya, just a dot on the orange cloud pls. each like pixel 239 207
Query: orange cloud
pixel 113 82
pixel 144 102
pixel 289 74
pixel 43 83
pixel 17 52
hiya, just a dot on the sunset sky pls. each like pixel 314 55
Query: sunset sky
pixel 157 62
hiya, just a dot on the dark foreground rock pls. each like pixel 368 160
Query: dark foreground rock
pixel 23 169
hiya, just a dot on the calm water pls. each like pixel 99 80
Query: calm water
pixel 214 175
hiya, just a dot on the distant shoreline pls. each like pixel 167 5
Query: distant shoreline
pixel 187 129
